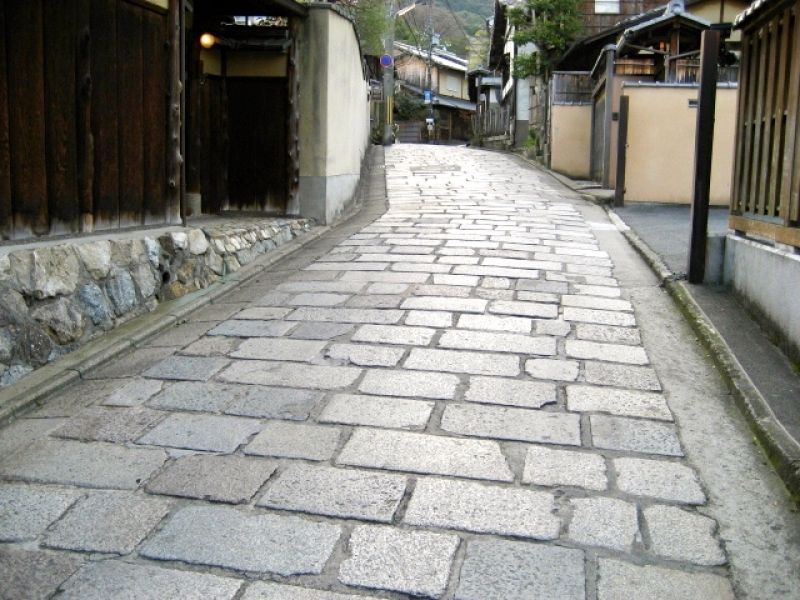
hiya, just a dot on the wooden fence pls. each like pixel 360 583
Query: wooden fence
pixel 766 182
pixel 84 115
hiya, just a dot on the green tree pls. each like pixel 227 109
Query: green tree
pixel 371 23
pixel 549 24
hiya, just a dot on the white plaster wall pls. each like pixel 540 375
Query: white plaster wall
pixel 769 280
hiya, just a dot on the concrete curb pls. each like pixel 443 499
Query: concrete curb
pixel 48 379
pixel 780 447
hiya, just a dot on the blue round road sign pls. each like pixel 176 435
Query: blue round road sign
pixel 386 61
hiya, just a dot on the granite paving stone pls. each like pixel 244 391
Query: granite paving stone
pixel 429 318
pixel 345 287
pixel 375 301
pixel 498 342
pixel 265 590
pixel 83 464
pixel 510 392
pixel 24 432
pixel 555 327
pixel 246 329
pixel 119 425
pixel 232 479
pixel 678 534
pixel 505 570
pixel 295 440
pixel 495 323
pixel 27 510
pixel 600 317
pixel 507 423
pixel 466 305
pixel 618 580
pixel 634 435
pixel 412 562
pixel 546 368
pixel 626 403
pixel 596 302
pixel 421 453
pixel 640 378
pixel 608 333
pixel 347 315
pixel 555 467
pixel 32 574
pixel 135 392
pixel 478 363
pixel 310 330
pixel 228 538
pixel 279 349
pixel 419 384
pixel 377 411
pixel 605 522
pixel 126 581
pixel 131 364
pixel 201 432
pixel 523 309
pixel 261 372
pixel 634 355
pixel 442 291
pixel 263 313
pixel 189 368
pixel 319 299
pixel 481 508
pixel 365 355
pixel 345 493
pixel 111 522
pixel 670 481
pixel 212 346
pixel 394 334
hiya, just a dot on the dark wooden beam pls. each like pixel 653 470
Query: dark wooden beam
pixel 704 146
pixel 622 151
pixel 175 117
pixel 85 141
pixel 6 209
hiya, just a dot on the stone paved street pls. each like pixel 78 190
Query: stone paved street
pixel 452 401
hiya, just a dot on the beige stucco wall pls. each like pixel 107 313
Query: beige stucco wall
pixel 710 9
pixel 571 140
pixel 256 64
pixel 334 114
pixel 661 137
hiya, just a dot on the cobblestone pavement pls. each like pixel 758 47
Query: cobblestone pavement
pixel 452 402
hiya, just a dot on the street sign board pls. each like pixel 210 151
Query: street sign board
pixel 427 94
pixel 387 61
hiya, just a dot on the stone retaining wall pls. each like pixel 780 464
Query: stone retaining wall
pixel 56 297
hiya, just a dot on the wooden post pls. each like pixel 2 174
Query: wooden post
pixel 622 151
pixel 84 129
pixel 703 149
pixel 608 115
pixel 174 126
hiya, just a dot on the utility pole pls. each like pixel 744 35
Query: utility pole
pixel 429 72
pixel 388 78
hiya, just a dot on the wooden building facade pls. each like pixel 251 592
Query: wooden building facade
pixel 766 183
pixel 101 100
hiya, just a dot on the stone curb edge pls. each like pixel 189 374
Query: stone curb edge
pixel 780 447
pixel 48 379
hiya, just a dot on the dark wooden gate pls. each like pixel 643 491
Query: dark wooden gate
pixel 83 116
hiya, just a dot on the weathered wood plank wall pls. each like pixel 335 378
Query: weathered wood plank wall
pixel 83 115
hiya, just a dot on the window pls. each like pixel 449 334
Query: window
pixel 453 83
pixel 607 7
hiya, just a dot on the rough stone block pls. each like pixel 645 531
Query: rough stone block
pixel 423 453
pixel 321 331
pixel 113 522
pixel 524 309
pixel 634 355
pixel 605 522
pixel 608 334
pixel 34 575
pixel 261 372
pixel 188 368
pixel 626 403
pixel 639 378
pixel 659 479
pixel 248 329
pixel 503 570
pixel 232 479
pixel 270 402
pixel 394 334
pixel 600 317
pixel 374 316
pixel 412 562
pixel 495 323
pixel 134 393
pixel 498 342
pixel 27 510
pixel 483 509
pixel 510 392
pixel 263 313
pixel 477 363
pixel 345 493
pixel 87 465
pixel 552 467
pixel 265 590
pixel 635 435
pixel 231 539
pixel 365 355
pixel 677 534
pixel 619 580
pixel 295 440
pixel 279 349
pixel 467 305
pixel 545 368
pixel 377 411
pixel 417 384
pixel 118 425
pixel 319 299
pixel 512 424
pixel 201 432
pixel 430 318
